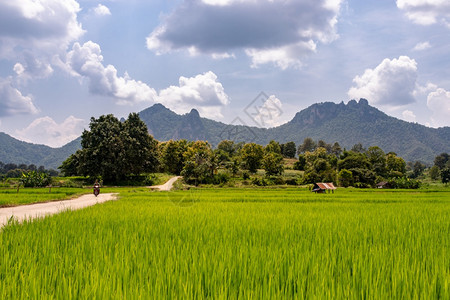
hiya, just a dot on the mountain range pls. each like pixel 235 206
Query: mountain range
pixel 348 124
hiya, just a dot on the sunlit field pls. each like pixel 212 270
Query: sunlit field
pixel 13 196
pixel 236 243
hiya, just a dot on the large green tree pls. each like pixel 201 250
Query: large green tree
pixel 289 150
pixel 112 149
pixel 199 163
pixel 141 149
pixel 308 145
pixel 252 155
pixel 273 163
pixel 377 158
pixel 172 157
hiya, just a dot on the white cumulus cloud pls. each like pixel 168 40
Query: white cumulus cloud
pixel 36 32
pixel 102 10
pixel 439 103
pixel 422 46
pixel 408 116
pixel 87 61
pixel 391 84
pixel 280 32
pixel 12 101
pixel 202 92
pixel 46 131
pixel 426 12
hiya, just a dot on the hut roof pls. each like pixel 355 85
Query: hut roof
pixel 326 186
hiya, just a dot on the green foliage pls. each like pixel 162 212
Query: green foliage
pixel 365 177
pixel 404 183
pixel 35 179
pixel 252 155
pixel 172 158
pixel 395 163
pixel 442 160
pixel 354 160
pixel 273 147
pixel 112 149
pixel 199 163
pixel 445 175
pixel 435 173
pixel 418 169
pixel 273 164
pixel 309 145
pixel 345 178
pixel 289 149
pixel 301 163
pixel 150 179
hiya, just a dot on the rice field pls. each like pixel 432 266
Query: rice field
pixel 12 196
pixel 236 243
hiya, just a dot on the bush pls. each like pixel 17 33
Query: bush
pixel 293 181
pixel 35 179
pixel 245 175
pixel 150 179
pixel 259 182
pixel 277 180
pixel 221 178
pixel 404 183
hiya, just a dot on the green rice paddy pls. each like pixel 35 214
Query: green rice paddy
pixel 236 243
pixel 12 196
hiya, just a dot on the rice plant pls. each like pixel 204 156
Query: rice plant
pixel 236 243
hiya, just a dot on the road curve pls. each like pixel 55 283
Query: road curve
pixel 23 212
pixel 166 186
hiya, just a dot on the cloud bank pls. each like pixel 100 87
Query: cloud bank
pixel 36 32
pixel 12 102
pixel 269 31
pixel 202 92
pixel 439 103
pixel 46 131
pixel 86 61
pixel 391 84
pixel 426 12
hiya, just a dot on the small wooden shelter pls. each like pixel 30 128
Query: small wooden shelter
pixel 383 185
pixel 322 187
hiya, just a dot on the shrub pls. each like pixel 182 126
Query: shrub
pixel 150 179
pixel 404 183
pixel 35 179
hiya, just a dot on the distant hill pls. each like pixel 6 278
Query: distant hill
pixel 348 124
pixel 18 152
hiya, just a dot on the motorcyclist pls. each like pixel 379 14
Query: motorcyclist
pixel 96 188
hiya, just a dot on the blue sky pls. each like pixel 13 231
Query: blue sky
pixel 65 61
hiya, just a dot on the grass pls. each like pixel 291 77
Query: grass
pixel 236 243
pixel 12 197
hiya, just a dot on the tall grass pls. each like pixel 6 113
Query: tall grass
pixel 235 244
pixel 12 196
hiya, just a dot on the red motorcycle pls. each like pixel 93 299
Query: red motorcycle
pixel 96 189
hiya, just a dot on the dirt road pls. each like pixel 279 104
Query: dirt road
pixel 23 212
pixel 166 186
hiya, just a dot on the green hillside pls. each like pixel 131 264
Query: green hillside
pixel 18 152
pixel 348 124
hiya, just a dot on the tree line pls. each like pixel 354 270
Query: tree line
pixel 112 150
pixel 11 170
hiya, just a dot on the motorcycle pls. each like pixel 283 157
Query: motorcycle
pixel 96 189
